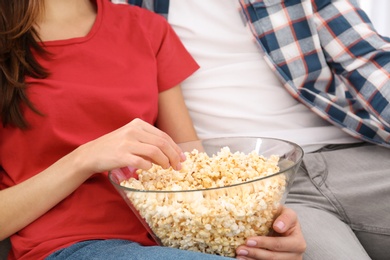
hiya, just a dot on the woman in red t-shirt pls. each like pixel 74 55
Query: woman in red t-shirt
pixel 86 87
pixel 77 102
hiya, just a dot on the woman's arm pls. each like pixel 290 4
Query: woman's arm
pixel 25 202
pixel 137 144
pixel 174 118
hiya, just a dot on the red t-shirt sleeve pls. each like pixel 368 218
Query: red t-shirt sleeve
pixel 174 63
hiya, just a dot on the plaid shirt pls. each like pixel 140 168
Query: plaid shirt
pixel 328 57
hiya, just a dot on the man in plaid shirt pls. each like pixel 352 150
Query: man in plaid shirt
pixel 328 57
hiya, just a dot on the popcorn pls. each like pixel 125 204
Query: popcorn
pixel 204 214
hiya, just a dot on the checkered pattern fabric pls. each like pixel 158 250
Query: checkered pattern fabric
pixel 327 55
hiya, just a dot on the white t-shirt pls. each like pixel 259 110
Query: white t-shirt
pixel 235 93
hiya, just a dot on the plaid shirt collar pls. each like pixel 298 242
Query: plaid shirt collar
pixel 328 57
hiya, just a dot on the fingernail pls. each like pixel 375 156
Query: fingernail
pixel 280 225
pixel 242 252
pixel 183 157
pixel 178 167
pixel 251 243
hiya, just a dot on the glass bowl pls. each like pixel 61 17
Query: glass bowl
pixel 215 220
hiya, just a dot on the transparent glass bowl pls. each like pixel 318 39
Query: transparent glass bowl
pixel 215 220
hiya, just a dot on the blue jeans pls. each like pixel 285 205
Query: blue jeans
pixel 115 249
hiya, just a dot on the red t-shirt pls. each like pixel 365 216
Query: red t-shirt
pixel 98 83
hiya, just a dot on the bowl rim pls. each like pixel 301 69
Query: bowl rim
pixel 118 186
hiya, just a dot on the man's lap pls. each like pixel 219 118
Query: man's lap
pixel 345 195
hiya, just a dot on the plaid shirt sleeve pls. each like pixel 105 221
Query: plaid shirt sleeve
pixel 158 6
pixel 358 55
pixel 329 58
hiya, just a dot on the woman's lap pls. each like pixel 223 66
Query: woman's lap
pixel 114 249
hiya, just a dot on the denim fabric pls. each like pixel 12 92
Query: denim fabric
pixel 114 249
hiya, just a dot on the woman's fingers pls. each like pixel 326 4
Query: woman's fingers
pixel 287 243
pixel 137 144
pixel 154 145
pixel 271 248
pixel 287 221
pixel 263 254
pixel 142 155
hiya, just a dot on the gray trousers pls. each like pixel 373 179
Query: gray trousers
pixel 342 198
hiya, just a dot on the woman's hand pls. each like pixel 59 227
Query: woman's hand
pixel 287 243
pixel 137 144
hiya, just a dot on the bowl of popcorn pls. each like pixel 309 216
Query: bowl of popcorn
pixel 227 190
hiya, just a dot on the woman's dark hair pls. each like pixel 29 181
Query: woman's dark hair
pixel 18 39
